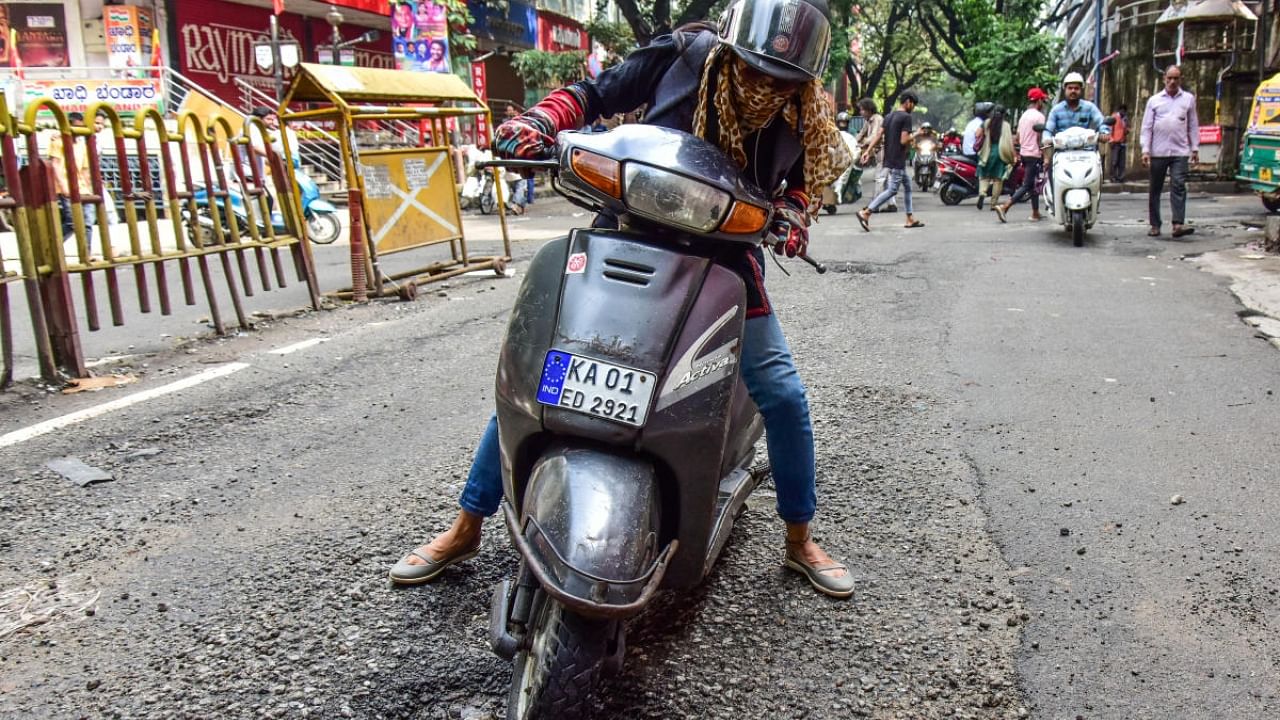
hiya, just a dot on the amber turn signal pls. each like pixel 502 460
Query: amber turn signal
pixel 744 218
pixel 598 171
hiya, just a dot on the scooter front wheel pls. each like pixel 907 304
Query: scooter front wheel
pixel 559 663
pixel 323 228
pixel 1077 228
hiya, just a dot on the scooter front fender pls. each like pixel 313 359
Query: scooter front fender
pixel 1077 199
pixel 320 207
pixel 589 530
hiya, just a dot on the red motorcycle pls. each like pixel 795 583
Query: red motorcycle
pixel 958 178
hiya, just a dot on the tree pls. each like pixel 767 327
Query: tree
pixel 650 18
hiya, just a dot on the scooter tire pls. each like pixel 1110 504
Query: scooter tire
pixel 323 228
pixel 1077 228
pixel 950 194
pixel 568 653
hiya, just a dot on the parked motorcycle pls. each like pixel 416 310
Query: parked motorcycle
pixel 627 434
pixel 321 217
pixel 925 164
pixel 958 179
pixel 1075 189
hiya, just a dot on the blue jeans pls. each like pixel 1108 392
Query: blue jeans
pixel 773 383
pixel 897 178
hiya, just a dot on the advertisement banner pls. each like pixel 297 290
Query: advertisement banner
pixel 126 95
pixel 128 32
pixel 420 36
pixel 42 34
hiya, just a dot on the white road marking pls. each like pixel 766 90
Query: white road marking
pixel 298 346
pixel 48 426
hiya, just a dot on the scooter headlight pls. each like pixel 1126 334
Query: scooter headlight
pixel 673 199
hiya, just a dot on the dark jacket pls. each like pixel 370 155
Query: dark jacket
pixel 665 77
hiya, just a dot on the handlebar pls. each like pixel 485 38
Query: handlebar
pixel 513 164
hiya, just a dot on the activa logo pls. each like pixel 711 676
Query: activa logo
pixel 706 369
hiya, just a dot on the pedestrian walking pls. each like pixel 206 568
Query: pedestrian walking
pixel 1119 144
pixel 1170 143
pixel 996 156
pixel 1031 156
pixel 897 143
pixel 63 176
pixel 871 140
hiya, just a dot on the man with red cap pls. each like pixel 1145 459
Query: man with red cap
pixel 1029 150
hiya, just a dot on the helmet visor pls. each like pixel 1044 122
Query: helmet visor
pixel 790 32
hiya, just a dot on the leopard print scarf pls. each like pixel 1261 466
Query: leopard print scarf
pixel 742 108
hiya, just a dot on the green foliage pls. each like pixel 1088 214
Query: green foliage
pixel 1011 61
pixel 459 18
pixel 550 70
pixel 616 38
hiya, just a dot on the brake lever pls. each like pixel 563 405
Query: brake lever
pixel 774 240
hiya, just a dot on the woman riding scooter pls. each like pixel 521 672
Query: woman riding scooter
pixel 755 91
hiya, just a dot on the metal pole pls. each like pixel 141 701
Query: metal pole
pixel 1097 53
pixel 275 59
pixel 1260 39
pixel 337 40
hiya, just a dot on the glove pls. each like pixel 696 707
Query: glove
pixel 532 136
pixel 791 223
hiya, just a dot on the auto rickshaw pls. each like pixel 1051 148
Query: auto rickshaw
pixel 1260 157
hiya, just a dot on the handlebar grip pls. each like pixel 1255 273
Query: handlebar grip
pixel 822 269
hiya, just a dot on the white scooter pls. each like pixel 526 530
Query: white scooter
pixel 1072 196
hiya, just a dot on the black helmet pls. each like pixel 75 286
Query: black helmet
pixel 785 39
pixel 842 120
pixel 983 109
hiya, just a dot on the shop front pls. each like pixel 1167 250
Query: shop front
pixel 214 40
pixel 502 35
pixel 560 34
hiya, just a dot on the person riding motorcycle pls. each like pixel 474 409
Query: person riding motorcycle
pixel 1072 111
pixel 832 197
pixel 753 89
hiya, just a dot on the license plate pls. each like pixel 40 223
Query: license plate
pixel 596 388
pixel 1264 174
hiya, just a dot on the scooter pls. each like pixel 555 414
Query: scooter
pixel 958 179
pixel 1074 191
pixel 626 433
pixel 925 164
pixel 321 217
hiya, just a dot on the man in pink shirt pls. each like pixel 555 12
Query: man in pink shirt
pixel 1170 141
pixel 1029 150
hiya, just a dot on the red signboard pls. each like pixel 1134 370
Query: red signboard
pixel 377 7
pixel 216 39
pixel 1210 134
pixel 556 34
pixel 481 86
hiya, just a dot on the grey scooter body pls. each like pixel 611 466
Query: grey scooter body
pixel 606 512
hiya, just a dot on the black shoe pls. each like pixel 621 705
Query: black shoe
pixel 980 199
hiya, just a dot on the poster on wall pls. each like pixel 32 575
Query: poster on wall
pixel 128 31
pixel 42 34
pixel 420 36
